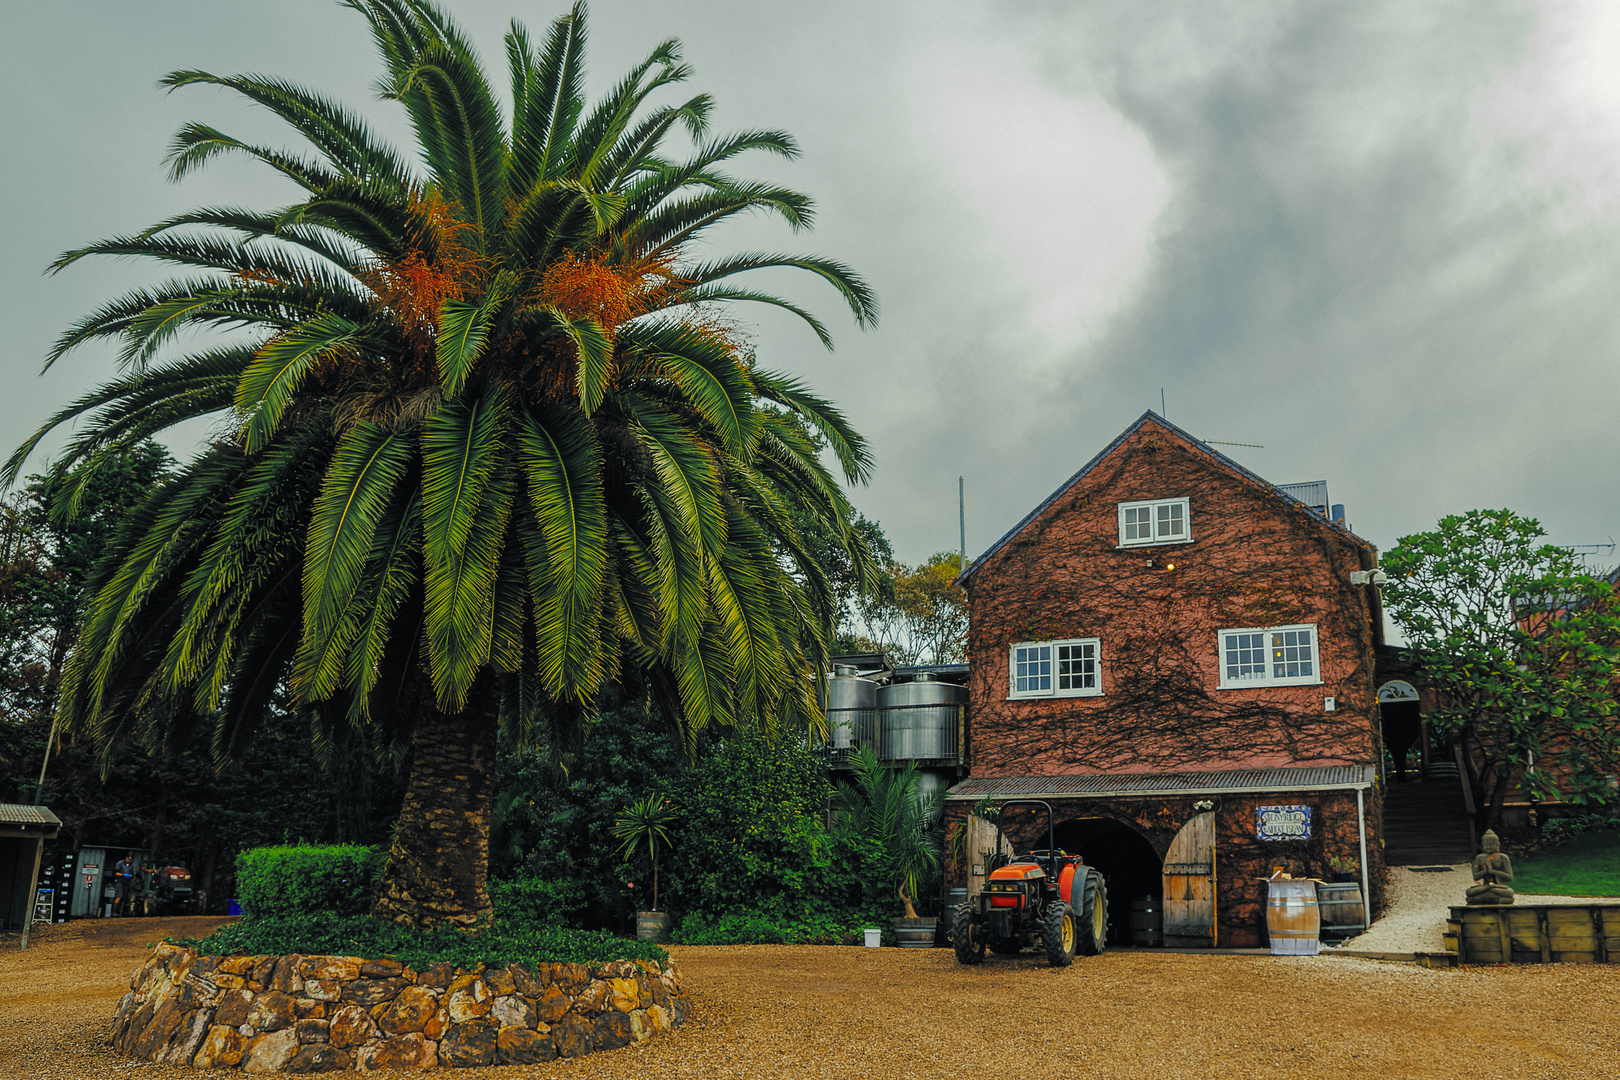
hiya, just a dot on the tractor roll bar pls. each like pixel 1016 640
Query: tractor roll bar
pixel 1051 834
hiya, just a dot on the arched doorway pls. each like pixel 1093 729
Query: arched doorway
pixel 1401 715
pixel 1125 858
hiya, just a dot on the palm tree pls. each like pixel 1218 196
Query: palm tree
pixel 645 822
pixel 487 440
pixel 886 804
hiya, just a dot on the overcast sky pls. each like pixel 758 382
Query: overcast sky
pixel 1379 238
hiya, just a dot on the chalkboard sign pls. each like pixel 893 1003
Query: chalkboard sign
pixel 1282 822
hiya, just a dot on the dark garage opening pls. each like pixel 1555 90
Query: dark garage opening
pixel 1126 859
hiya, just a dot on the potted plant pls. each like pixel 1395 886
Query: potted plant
pixel 644 826
pixel 886 805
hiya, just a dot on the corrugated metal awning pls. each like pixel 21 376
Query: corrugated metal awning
pixel 1099 785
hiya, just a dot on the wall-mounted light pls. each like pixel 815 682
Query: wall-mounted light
pixel 1204 804
pixel 1171 566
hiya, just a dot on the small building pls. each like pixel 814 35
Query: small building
pixel 1178 656
pixel 23 832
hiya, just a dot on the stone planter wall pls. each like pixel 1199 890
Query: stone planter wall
pixel 304 1014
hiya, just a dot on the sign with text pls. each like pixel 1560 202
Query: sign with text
pixel 1282 822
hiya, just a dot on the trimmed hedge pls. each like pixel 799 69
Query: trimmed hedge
pixel 308 879
pixel 501 942
pixel 536 900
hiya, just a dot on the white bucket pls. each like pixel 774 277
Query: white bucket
pixel 874 937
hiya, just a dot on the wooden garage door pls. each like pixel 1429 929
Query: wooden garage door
pixel 1189 885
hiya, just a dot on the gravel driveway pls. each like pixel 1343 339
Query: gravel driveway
pixel 803 1011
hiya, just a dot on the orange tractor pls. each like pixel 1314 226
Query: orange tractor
pixel 1046 894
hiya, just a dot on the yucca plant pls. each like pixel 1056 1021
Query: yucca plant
pixel 645 824
pixel 485 439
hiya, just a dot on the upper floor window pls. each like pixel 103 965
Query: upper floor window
pixel 1269 656
pixel 1160 521
pixel 1054 668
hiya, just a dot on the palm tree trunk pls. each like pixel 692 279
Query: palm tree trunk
pixel 438 866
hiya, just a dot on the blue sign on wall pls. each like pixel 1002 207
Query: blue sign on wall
pixel 1282 822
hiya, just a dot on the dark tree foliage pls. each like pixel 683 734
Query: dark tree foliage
pixel 51 532
pixel 554 813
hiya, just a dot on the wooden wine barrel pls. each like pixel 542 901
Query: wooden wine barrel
pixel 652 926
pixel 1341 908
pixel 1292 918
pixel 1147 921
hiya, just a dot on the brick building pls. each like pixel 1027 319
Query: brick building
pixel 1171 651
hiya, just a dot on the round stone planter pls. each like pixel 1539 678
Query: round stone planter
pixel 301 1014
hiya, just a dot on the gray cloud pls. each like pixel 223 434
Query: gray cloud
pixel 1375 237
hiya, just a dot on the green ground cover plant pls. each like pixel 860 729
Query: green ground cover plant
pixel 502 941
pixel 1589 865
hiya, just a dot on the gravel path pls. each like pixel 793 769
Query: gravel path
pixel 802 1011
pixel 1419 905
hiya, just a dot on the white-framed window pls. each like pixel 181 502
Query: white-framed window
pixel 1054 669
pixel 1157 521
pixel 1269 656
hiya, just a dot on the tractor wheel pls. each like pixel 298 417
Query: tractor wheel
pixel 1057 934
pixel 1091 921
pixel 969 946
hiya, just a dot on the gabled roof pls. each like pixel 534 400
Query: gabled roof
pixel 1149 417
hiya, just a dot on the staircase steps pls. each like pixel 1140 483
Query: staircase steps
pixel 1425 823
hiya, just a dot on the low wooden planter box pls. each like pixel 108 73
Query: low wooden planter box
pixel 1535 933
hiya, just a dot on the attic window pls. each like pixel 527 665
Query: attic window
pixel 1269 656
pixel 1159 521
pixel 1054 669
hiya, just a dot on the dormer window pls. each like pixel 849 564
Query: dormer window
pixel 1158 521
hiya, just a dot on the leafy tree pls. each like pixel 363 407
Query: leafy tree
pixel 486 443
pixel 1522 647
pixel 924 618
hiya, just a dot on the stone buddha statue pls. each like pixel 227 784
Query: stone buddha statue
pixel 1492 872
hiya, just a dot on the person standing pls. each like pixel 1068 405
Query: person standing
pixel 124 879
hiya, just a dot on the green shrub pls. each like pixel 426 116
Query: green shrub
pixel 752 835
pixel 534 900
pixel 1562 829
pixel 307 879
pixel 500 942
